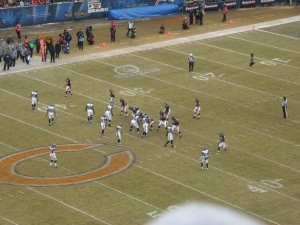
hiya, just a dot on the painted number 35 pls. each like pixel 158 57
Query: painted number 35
pixel 206 76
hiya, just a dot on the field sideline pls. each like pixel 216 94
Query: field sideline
pixel 135 183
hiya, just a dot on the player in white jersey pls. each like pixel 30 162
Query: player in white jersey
pixel 197 109
pixel 146 122
pixel 109 113
pixel 204 157
pixel 103 122
pixel 53 159
pixel 51 113
pixel 134 123
pixel 170 136
pixel 89 108
pixel 118 134
pixel 34 99
pixel 222 143
pixel 176 125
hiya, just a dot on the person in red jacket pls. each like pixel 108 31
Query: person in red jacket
pixel 224 11
pixel 18 29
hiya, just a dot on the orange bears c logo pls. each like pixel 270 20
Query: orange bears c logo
pixel 114 163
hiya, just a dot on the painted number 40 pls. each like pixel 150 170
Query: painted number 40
pixel 267 183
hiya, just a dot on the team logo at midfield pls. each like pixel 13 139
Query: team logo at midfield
pixel 130 71
pixel 114 163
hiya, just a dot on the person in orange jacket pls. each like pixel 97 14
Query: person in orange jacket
pixel 18 30
pixel 42 48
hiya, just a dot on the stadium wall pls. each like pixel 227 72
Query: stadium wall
pixel 92 9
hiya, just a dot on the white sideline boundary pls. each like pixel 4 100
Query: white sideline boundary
pixel 36 63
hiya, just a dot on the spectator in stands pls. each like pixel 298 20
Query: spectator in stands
pixel 57 49
pixel 18 30
pixel 224 12
pixel 185 24
pixel 5 6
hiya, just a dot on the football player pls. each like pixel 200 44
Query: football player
pixel 53 158
pixel 51 113
pixel 167 111
pixel 145 122
pixel 109 113
pixel 89 108
pixel 34 99
pixel 197 109
pixel 170 136
pixel 204 157
pixel 162 120
pixel 175 125
pixel 124 107
pixel 284 105
pixel 134 123
pixel 251 59
pixel 68 87
pixel 112 95
pixel 118 134
pixel 103 122
pixel 222 143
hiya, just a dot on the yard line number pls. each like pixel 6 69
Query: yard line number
pixel 273 62
pixel 268 183
pixel 45 108
pixel 206 76
pixel 156 214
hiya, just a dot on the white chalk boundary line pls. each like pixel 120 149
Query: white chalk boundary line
pixel 117 52
pixel 8 220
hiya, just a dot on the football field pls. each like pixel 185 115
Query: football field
pixel 97 182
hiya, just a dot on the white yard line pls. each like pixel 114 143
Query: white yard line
pixel 282 35
pixel 67 205
pixel 8 220
pixel 263 44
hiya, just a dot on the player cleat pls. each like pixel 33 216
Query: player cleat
pixel 218 152
pixel 165 145
pixel 119 144
pixel 173 146
pixel 201 168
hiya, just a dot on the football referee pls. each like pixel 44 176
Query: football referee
pixel 191 60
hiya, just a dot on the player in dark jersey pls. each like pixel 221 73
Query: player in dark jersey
pixel 124 107
pixel 68 87
pixel 112 95
pixel 197 109
pixel 176 125
pixel 162 120
pixel 251 59
pixel 222 143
